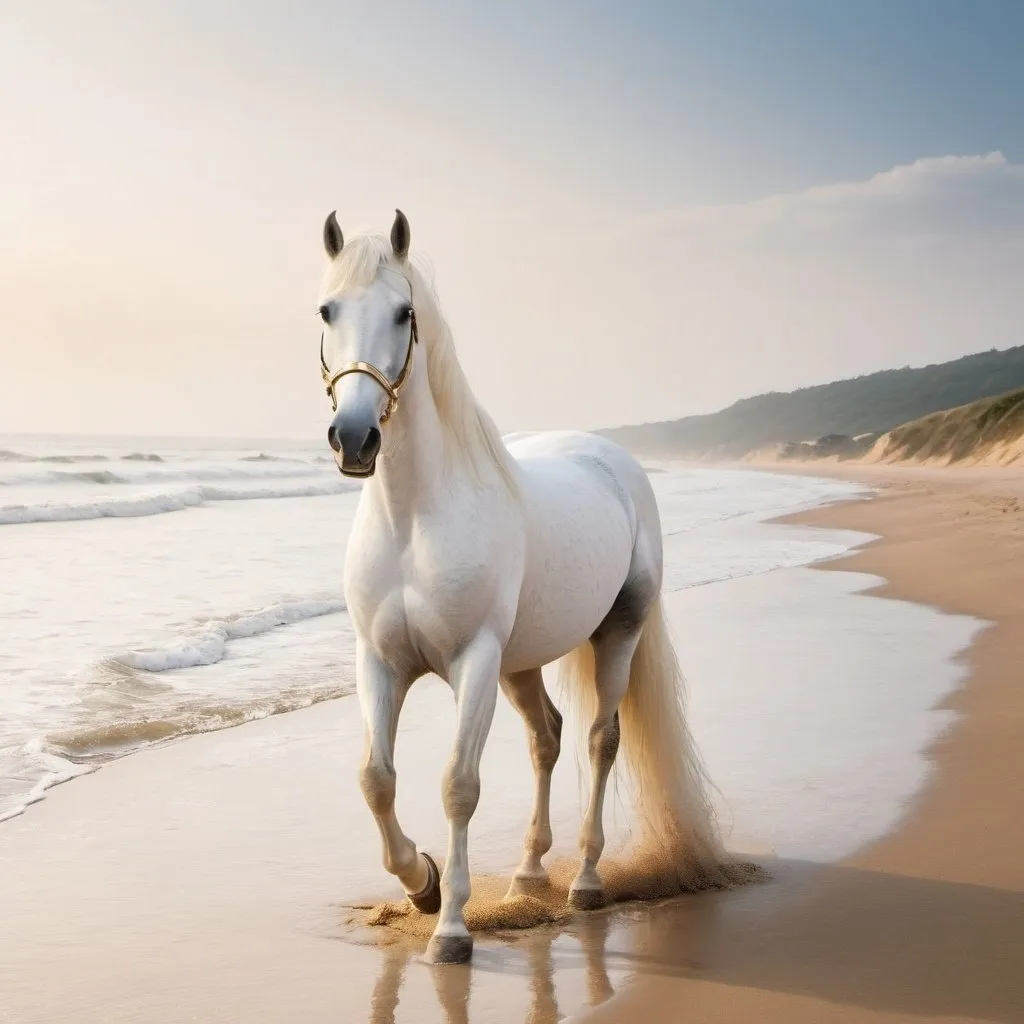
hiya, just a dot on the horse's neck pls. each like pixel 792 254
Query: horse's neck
pixel 410 468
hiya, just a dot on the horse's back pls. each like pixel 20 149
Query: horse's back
pixel 600 459
pixel 588 503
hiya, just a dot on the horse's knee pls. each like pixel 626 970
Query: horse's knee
pixel 546 745
pixel 461 793
pixel 544 750
pixel 378 784
pixel 554 716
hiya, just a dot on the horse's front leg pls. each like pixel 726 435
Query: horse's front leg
pixel 474 678
pixel 381 695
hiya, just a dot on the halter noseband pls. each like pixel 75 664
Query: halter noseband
pixel 391 388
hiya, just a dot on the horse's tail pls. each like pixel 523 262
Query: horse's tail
pixel 679 841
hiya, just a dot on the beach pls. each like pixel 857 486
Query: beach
pixel 928 922
pixel 210 878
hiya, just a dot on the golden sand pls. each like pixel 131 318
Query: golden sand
pixel 501 903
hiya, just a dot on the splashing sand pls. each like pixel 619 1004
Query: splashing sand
pixel 500 904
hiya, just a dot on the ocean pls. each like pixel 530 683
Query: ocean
pixel 155 589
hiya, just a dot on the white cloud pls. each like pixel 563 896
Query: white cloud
pixel 938 186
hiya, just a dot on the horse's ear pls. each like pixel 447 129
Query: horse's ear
pixel 333 238
pixel 400 236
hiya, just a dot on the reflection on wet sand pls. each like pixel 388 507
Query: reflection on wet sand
pixel 838 938
pixel 533 955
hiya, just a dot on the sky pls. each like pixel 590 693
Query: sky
pixel 633 211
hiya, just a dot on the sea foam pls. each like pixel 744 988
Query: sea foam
pixel 106 654
pixel 208 643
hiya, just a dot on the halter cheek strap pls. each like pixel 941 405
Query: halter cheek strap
pixel 391 388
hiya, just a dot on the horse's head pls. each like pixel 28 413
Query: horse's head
pixel 369 339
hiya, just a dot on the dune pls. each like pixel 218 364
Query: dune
pixel 989 432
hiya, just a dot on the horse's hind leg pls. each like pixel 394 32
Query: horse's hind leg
pixel 614 645
pixel 381 696
pixel 526 693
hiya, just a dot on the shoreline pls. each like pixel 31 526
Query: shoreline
pixel 923 922
pixel 60 751
pixel 964 555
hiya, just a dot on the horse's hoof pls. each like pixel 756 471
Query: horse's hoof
pixel 586 899
pixel 450 949
pixel 428 899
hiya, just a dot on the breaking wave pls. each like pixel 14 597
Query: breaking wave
pixel 207 643
pixel 125 705
pixel 114 739
pixel 67 754
pixel 189 474
pixel 264 457
pixel 6 455
pixel 156 503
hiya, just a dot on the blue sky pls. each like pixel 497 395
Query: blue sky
pixel 170 166
pixel 725 101
pixel 717 100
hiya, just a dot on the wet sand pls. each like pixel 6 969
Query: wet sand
pixel 172 889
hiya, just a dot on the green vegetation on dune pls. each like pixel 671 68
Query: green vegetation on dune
pixel 991 427
pixel 872 404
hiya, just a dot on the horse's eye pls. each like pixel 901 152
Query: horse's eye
pixel 325 314
pixel 402 315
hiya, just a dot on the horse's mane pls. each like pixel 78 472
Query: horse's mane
pixel 470 433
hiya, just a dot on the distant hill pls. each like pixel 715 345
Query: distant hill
pixel 989 431
pixel 869 405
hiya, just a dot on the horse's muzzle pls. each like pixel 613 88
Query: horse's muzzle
pixel 355 448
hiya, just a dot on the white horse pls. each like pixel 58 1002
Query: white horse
pixel 482 562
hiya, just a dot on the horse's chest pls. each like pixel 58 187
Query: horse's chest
pixel 419 604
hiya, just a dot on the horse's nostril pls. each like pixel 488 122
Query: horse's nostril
pixel 333 438
pixel 369 448
pixel 357 445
